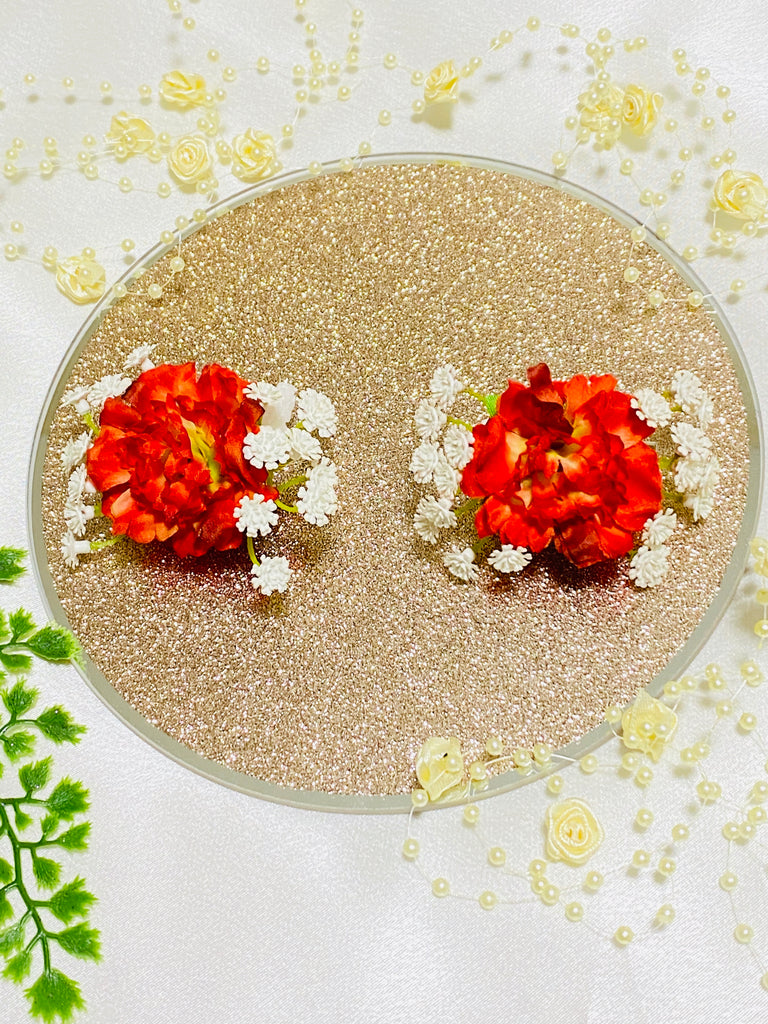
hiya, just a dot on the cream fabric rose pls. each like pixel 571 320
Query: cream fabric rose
pixel 741 193
pixel 573 832
pixel 640 109
pixel 131 132
pixel 440 766
pixel 253 155
pixel 183 90
pixel 81 279
pixel 640 725
pixel 190 159
pixel 597 114
pixel 442 84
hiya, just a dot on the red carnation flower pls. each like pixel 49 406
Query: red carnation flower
pixel 169 461
pixel 564 462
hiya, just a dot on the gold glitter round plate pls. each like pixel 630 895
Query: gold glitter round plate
pixel 359 284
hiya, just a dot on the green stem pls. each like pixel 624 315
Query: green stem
pixel 295 481
pixel 482 544
pixel 29 903
pixel 98 545
pixel 91 423
pixel 468 508
pixel 286 508
pixel 252 551
pixel 459 423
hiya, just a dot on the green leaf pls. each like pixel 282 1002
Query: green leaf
pixel 54 995
pixel 18 744
pixel 6 910
pixel 20 698
pixel 21 623
pixel 68 799
pixel 54 643
pixel 12 938
pixel 22 820
pixel 5 632
pixel 71 901
pixel 49 824
pixel 15 662
pixel 80 941
pixel 9 563
pixel 18 967
pixel 57 725
pixel 6 872
pixel 46 872
pixel 491 403
pixel 35 776
pixel 75 838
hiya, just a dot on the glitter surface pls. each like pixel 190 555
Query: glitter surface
pixel 359 285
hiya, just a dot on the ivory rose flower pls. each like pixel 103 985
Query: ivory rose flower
pixel 640 725
pixel 133 133
pixel 440 766
pixel 80 278
pixel 190 159
pixel 183 90
pixel 253 155
pixel 640 109
pixel 742 194
pixel 573 832
pixel 442 84
pixel 603 113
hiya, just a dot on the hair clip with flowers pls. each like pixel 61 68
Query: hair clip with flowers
pixel 197 461
pixel 563 462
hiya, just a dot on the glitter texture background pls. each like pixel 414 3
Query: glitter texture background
pixel 359 285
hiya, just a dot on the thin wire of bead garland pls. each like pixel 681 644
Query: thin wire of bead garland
pixel 714 712
pixel 196 159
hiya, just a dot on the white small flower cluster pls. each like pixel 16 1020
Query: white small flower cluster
pixel 277 445
pixel 139 359
pixel 696 470
pixel 649 565
pixel 77 513
pixel 651 407
pixel 92 398
pixel 444 450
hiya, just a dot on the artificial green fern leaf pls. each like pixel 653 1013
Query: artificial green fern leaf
pixel 21 819
pixel 53 643
pixel 6 871
pixel 75 838
pixel 6 910
pixel 12 939
pixel 15 662
pixel 9 563
pixel 21 623
pixel 46 872
pixel 68 799
pixel 20 698
pixel 35 775
pixel 72 900
pixel 18 967
pixel 57 725
pixel 49 824
pixel 53 996
pixel 80 941
pixel 17 744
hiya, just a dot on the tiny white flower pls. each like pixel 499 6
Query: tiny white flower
pixel 71 549
pixel 701 505
pixel 703 410
pixel 428 420
pixel 691 440
pixel 305 447
pixel 140 358
pixel 76 484
pixel 659 528
pixel 690 472
pixel 457 445
pixel 316 500
pixel 509 558
pixel 78 397
pixel 111 386
pixel 652 407
pixel 424 462
pixel 255 516
pixel 445 385
pixel 710 477
pixel 76 516
pixel 461 563
pixel 277 400
pixel 273 574
pixel 268 449
pixel 323 474
pixel 649 566
pixel 74 451
pixel 446 478
pixel 432 515
pixel 316 412
pixel 687 389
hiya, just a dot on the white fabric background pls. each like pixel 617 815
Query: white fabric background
pixel 216 907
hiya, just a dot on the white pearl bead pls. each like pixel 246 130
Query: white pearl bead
pixel 574 911
pixel 419 798
pixel 440 887
pixel 589 764
pixel 666 866
pixel 494 746
pixel 559 160
pixel 262 65
pixel 638 234
pixel 665 915
pixel 644 818
pixel 695 299
pixel 624 935
pixel 163 189
pixel 364 148
pixel 385 117
pixel 488 900
pixel 743 933
pixel 344 92
pixel 390 61
pixel 155 291
pixel 411 849
pixel 127 245
pixel 177 264
pixel 593 880
pixel 418 106
pixel 471 814
pixel 497 856
pixel 728 881
pixel 537 868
